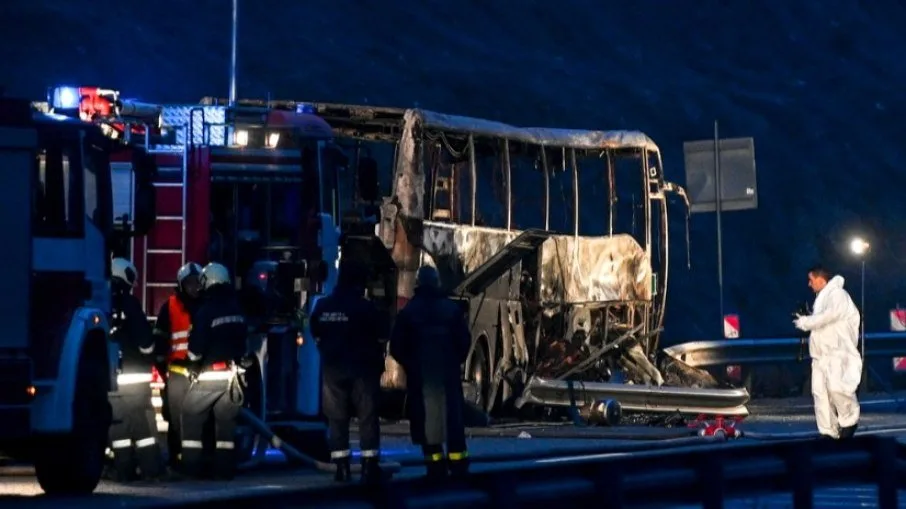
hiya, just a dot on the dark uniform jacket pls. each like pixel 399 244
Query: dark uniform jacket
pixel 218 331
pixel 431 340
pixel 349 329
pixel 132 332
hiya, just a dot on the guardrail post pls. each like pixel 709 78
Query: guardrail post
pixel 710 473
pixel 884 457
pixel 802 475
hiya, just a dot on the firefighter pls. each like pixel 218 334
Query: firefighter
pixel 174 320
pixel 430 341
pixel 217 348
pixel 132 436
pixel 349 330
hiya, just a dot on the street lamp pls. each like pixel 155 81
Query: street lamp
pixel 860 248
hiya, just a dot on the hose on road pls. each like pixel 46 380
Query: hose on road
pixel 297 455
pixel 502 457
pixel 564 431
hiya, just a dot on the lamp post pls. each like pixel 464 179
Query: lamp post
pixel 860 248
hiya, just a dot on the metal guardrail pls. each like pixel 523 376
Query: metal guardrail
pixel 637 398
pixel 703 475
pixel 701 354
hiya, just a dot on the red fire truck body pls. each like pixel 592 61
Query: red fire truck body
pixel 204 173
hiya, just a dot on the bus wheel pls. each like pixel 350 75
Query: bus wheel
pixel 480 376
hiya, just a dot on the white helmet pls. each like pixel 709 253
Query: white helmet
pixel 189 269
pixel 123 270
pixel 214 274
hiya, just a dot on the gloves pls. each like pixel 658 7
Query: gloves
pixel 799 322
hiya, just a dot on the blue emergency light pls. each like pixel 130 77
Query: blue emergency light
pixel 306 108
pixel 65 98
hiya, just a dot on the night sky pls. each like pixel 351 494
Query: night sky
pixel 818 84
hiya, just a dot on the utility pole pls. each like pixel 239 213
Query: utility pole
pixel 720 236
pixel 233 55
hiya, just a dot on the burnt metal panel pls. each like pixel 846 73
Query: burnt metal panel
pixel 573 269
pixel 503 260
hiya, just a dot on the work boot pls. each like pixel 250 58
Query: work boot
pixel 434 462
pixel 849 431
pixel 371 471
pixel 344 472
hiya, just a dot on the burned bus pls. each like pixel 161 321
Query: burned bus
pixel 554 240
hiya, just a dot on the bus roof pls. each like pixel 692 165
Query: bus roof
pixel 386 123
pixel 551 137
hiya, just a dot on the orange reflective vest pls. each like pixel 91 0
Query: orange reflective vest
pixel 180 324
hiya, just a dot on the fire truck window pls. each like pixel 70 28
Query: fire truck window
pixel 59 204
pixel 98 208
pixel 91 194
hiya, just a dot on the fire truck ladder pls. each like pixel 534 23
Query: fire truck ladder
pixel 155 253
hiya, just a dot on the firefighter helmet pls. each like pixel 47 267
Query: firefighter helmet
pixel 214 274
pixel 189 269
pixel 124 270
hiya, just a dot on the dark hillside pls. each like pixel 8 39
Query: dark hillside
pixel 817 83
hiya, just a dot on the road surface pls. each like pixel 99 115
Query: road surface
pixel 489 449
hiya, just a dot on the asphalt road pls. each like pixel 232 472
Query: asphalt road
pixel 491 449
pixel 841 497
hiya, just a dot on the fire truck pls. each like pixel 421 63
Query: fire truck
pixel 253 188
pixel 56 361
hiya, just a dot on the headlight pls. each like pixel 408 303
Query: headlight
pixel 241 138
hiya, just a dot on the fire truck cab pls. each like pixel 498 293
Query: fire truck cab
pixel 57 363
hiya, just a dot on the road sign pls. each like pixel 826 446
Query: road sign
pixel 738 189
pixel 731 326
pixel 731 331
pixel 898 324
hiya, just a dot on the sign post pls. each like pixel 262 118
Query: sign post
pixel 731 331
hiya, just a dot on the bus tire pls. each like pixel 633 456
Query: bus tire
pixel 479 374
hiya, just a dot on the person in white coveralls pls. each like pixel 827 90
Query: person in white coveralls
pixel 833 330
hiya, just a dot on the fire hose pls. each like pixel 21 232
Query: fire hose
pixel 292 453
pixel 236 393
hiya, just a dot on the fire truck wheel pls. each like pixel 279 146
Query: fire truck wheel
pixel 72 464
